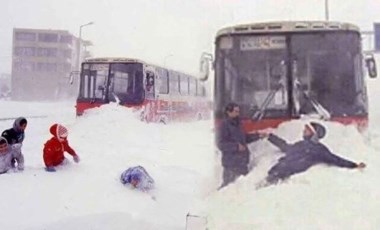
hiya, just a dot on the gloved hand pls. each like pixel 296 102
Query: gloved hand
pixel 50 169
pixel 76 159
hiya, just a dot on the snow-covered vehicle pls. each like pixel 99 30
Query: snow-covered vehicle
pixel 161 94
pixel 278 71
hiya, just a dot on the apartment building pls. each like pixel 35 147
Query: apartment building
pixel 41 64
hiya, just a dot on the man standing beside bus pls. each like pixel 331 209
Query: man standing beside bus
pixel 232 142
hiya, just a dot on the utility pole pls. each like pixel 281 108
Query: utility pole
pixel 326 10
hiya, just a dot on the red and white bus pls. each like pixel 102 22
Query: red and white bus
pixel 162 95
pixel 278 71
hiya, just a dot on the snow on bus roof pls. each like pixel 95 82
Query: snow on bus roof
pixel 287 26
pixel 114 59
pixel 130 60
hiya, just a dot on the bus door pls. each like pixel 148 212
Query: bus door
pixel 150 85
pixel 94 86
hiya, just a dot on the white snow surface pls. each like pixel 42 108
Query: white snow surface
pixel 182 160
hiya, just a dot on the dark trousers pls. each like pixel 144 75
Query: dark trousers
pixel 231 174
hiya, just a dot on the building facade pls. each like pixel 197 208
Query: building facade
pixel 42 61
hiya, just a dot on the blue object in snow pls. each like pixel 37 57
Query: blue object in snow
pixel 144 181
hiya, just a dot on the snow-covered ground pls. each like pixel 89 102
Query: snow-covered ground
pixel 89 195
pixel 181 159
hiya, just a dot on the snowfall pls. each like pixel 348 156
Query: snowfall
pixel 185 165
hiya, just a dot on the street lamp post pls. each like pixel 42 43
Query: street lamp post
pixel 79 44
pixel 326 10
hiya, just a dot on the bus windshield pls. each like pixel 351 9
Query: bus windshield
pixel 328 68
pixel 289 75
pixel 112 82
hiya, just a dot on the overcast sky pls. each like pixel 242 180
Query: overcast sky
pixel 165 32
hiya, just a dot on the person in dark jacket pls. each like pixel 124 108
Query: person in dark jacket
pixel 302 155
pixel 16 134
pixel 232 142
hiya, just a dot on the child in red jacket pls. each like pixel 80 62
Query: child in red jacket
pixel 56 146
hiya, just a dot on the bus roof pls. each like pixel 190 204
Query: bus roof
pixel 129 60
pixel 287 26
pixel 113 59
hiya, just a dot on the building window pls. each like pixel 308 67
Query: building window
pixel 47 67
pixel 65 53
pixel 66 39
pixel 47 37
pixel 23 66
pixel 25 36
pixel 47 52
pixel 66 67
pixel 24 51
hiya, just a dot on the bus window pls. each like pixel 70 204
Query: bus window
pixel 149 85
pixel 94 82
pixel 331 64
pixel 184 85
pixel 193 87
pixel 173 83
pixel 163 83
pixel 128 82
pixel 201 90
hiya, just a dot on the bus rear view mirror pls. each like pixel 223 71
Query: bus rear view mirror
pixel 204 66
pixel 371 66
pixel 72 76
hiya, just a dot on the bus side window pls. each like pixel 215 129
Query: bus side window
pixel 149 85
pixel 163 82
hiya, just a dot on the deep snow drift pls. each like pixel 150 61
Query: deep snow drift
pixel 182 160
pixel 89 195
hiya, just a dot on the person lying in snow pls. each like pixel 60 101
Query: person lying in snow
pixel 56 146
pixel 9 152
pixel 137 177
pixel 303 154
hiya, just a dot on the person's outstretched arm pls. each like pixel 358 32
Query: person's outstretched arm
pixel 252 137
pixel 279 142
pixel 329 158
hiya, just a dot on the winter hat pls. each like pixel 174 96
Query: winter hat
pixel 19 122
pixel 3 140
pixel 62 131
pixel 59 131
pixel 319 129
